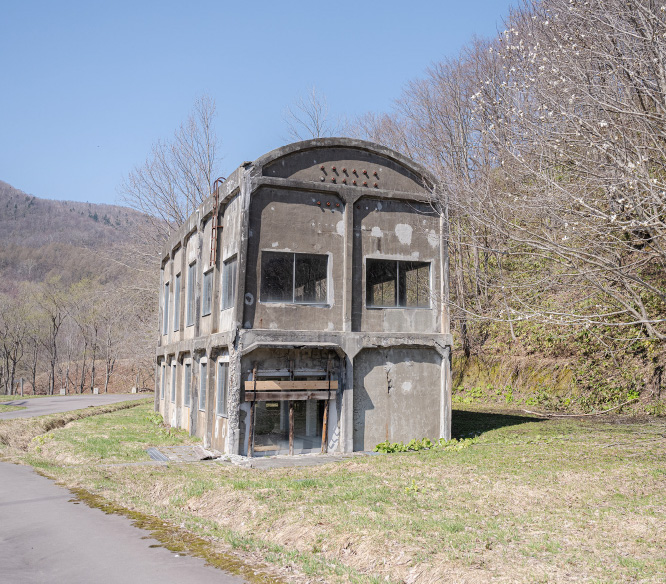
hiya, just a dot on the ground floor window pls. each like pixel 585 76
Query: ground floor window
pixel 222 388
pixel 187 384
pixel 202 385
pixel 391 283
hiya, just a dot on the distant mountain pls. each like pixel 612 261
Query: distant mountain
pixel 41 238
pixel 30 221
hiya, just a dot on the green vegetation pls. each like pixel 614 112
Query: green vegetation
pixel 4 408
pixel 536 499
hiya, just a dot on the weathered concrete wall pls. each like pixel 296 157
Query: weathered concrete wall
pixel 396 395
pixel 229 247
pixel 285 201
pixel 300 222
pixel 345 166
pixel 395 230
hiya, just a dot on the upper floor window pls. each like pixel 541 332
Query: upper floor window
pixel 228 283
pixel 191 287
pixel 294 277
pixel 176 303
pixel 165 311
pixel 207 295
pixel 391 283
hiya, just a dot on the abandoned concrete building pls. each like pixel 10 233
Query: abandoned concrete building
pixel 302 306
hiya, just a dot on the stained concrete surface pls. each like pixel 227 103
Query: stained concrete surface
pixel 40 406
pixel 46 538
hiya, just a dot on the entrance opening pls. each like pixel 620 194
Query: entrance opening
pixel 271 425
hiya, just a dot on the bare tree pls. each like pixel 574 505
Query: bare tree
pixel 178 175
pixel 308 117
pixel 576 122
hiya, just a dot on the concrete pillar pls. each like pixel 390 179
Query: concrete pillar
pixel 347 408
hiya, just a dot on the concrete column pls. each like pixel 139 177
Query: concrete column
pixel 347 407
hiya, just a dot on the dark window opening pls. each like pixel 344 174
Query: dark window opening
pixel 207 293
pixel 228 283
pixel 294 277
pixel 391 283
pixel 191 283
pixel 176 304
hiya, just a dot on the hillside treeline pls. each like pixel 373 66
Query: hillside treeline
pixel 549 146
pixel 56 336
pixel 73 315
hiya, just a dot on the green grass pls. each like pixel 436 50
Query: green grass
pixel 4 408
pixel 530 499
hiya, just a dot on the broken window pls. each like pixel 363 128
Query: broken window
pixel 191 283
pixel 176 304
pixel 392 283
pixel 294 277
pixel 187 385
pixel 207 293
pixel 222 385
pixel 202 386
pixel 228 283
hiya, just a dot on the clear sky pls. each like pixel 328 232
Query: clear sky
pixel 86 87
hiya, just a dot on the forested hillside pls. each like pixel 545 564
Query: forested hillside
pixel 72 314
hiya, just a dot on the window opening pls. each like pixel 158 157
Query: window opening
pixel 176 304
pixel 391 283
pixel 295 278
pixel 222 388
pixel 173 383
pixel 191 282
pixel 202 386
pixel 165 315
pixel 163 381
pixel 228 283
pixel 187 385
pixel 207 293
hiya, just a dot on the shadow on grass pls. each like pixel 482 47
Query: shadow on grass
pixel 465 423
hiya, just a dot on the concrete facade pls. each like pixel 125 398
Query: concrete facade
pixel 328 263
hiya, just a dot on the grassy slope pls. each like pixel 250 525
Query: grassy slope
pixel 515 499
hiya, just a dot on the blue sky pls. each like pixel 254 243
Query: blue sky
pixel 86 87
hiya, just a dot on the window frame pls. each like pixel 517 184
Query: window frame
pixel 222 392
pixel 399 267
pixel 190 317
pixel 187 383
pixel 173 382
pixel 203 384
pixel 176 303
pixel 293 300
pixel 229 272
pixel 207 293
pixel 165 309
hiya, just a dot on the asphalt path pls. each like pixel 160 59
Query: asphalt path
pixel 40 406
pixel 47 538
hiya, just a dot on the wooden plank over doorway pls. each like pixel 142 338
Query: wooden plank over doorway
pixel 317 385
pixel 287 395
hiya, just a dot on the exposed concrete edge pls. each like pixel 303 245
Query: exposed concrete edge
pixel 232 184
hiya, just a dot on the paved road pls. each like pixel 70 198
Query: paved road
pixel 46 539
pixel 41 406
